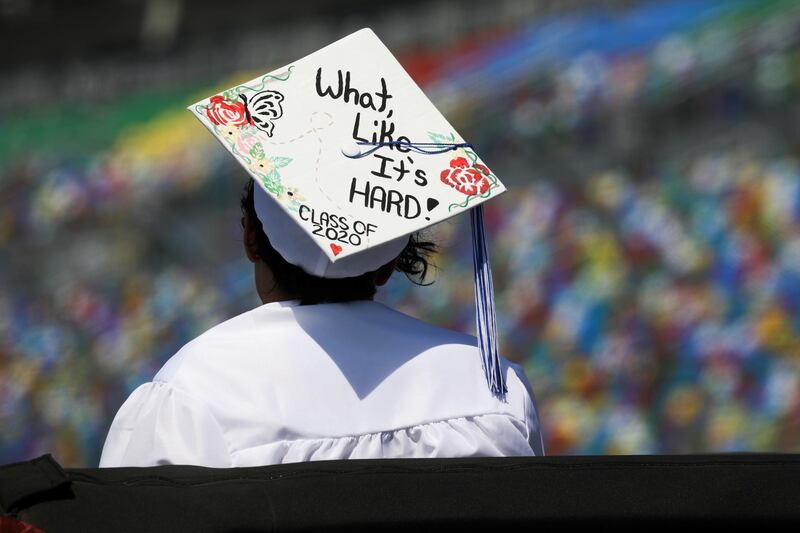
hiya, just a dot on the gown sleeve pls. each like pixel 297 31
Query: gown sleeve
pixel 531 414
pixel 160 424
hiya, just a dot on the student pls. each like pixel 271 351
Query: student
pixel 321 371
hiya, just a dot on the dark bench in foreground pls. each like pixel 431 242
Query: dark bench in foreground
pixel 604 493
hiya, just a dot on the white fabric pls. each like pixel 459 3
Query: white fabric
pixel 299 249
pixel 286 383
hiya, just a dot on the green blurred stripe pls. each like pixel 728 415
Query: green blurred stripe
pixel 83 128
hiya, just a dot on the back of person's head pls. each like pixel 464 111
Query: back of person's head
pixel 413 261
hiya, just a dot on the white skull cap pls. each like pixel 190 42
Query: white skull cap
pixel 295 245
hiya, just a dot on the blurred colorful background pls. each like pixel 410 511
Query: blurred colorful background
pixel 646 257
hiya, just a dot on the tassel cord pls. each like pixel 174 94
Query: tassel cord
pixel 486 319
pixel 420 148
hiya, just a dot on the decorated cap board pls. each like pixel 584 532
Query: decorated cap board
pixel 350 158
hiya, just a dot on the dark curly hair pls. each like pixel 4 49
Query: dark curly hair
pixel 413 261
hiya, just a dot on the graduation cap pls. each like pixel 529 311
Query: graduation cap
pixel 351 158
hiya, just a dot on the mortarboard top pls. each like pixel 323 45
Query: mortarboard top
pixel 351 158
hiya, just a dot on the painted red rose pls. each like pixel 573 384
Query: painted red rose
pixel 465 178
pixel 223 112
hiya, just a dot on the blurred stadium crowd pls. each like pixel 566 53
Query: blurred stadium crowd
pixel 646 257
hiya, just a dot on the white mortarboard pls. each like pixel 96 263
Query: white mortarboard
pixel 351 158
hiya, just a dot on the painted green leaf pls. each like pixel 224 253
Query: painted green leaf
pixel 257 151
pixel 279 162
pixel 441 137
pixel 272 182
pixel 436 137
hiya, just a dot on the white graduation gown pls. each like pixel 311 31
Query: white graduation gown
pixel 287 383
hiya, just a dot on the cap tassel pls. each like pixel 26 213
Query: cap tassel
pixel 484 306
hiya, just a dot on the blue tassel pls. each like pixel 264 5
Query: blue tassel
pixel 484 306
